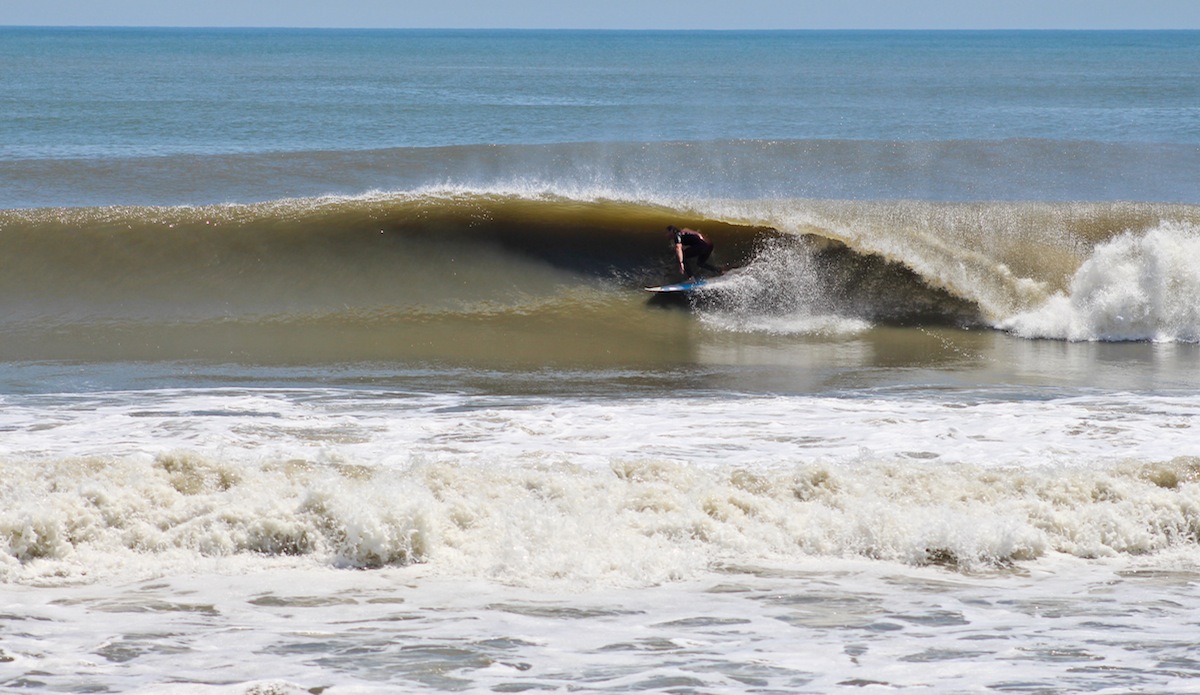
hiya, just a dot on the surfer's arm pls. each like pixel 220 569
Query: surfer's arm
pixel 679 258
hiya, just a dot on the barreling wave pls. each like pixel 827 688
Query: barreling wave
pixel 248 277
pixel 1074 271
pixel 72 520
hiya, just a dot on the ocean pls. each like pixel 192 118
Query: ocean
pixel 326 364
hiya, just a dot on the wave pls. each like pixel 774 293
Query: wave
pixel 73 519
pixel 244 275
pixel 827 169
pixel 1075 271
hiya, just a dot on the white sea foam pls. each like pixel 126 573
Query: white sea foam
pixel 530 491
pixel 813 626
pixel 1135 287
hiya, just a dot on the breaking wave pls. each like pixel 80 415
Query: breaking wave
pixel 1134 287
pixel 1096 271
pixel 637 522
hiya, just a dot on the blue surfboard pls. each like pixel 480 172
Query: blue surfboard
pixel 688 286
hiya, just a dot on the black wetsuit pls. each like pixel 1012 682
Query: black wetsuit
pixel 695 246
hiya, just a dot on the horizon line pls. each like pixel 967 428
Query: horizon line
pixel 598 29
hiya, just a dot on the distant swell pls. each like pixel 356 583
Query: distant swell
pixel 830 169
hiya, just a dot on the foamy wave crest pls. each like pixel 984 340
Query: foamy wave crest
pixel 1134 287
pixel 92 516
pixel 633 523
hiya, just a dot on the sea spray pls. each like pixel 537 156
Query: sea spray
pixel 1134 287
pixel 815 285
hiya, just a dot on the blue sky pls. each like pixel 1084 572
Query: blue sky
pixel 615 14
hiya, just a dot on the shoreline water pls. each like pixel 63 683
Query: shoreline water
pixel 795 628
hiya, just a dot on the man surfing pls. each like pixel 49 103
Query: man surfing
pixel 689 244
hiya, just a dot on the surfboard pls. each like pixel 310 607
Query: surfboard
pixel 698 283
pixel 688 286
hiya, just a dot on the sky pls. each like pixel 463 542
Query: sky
pixel 613 14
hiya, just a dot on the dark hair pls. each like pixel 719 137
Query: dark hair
pixel 672 229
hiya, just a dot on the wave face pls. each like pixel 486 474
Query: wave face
pixel 372 276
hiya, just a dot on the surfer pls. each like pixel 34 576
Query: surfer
pixel 689 244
